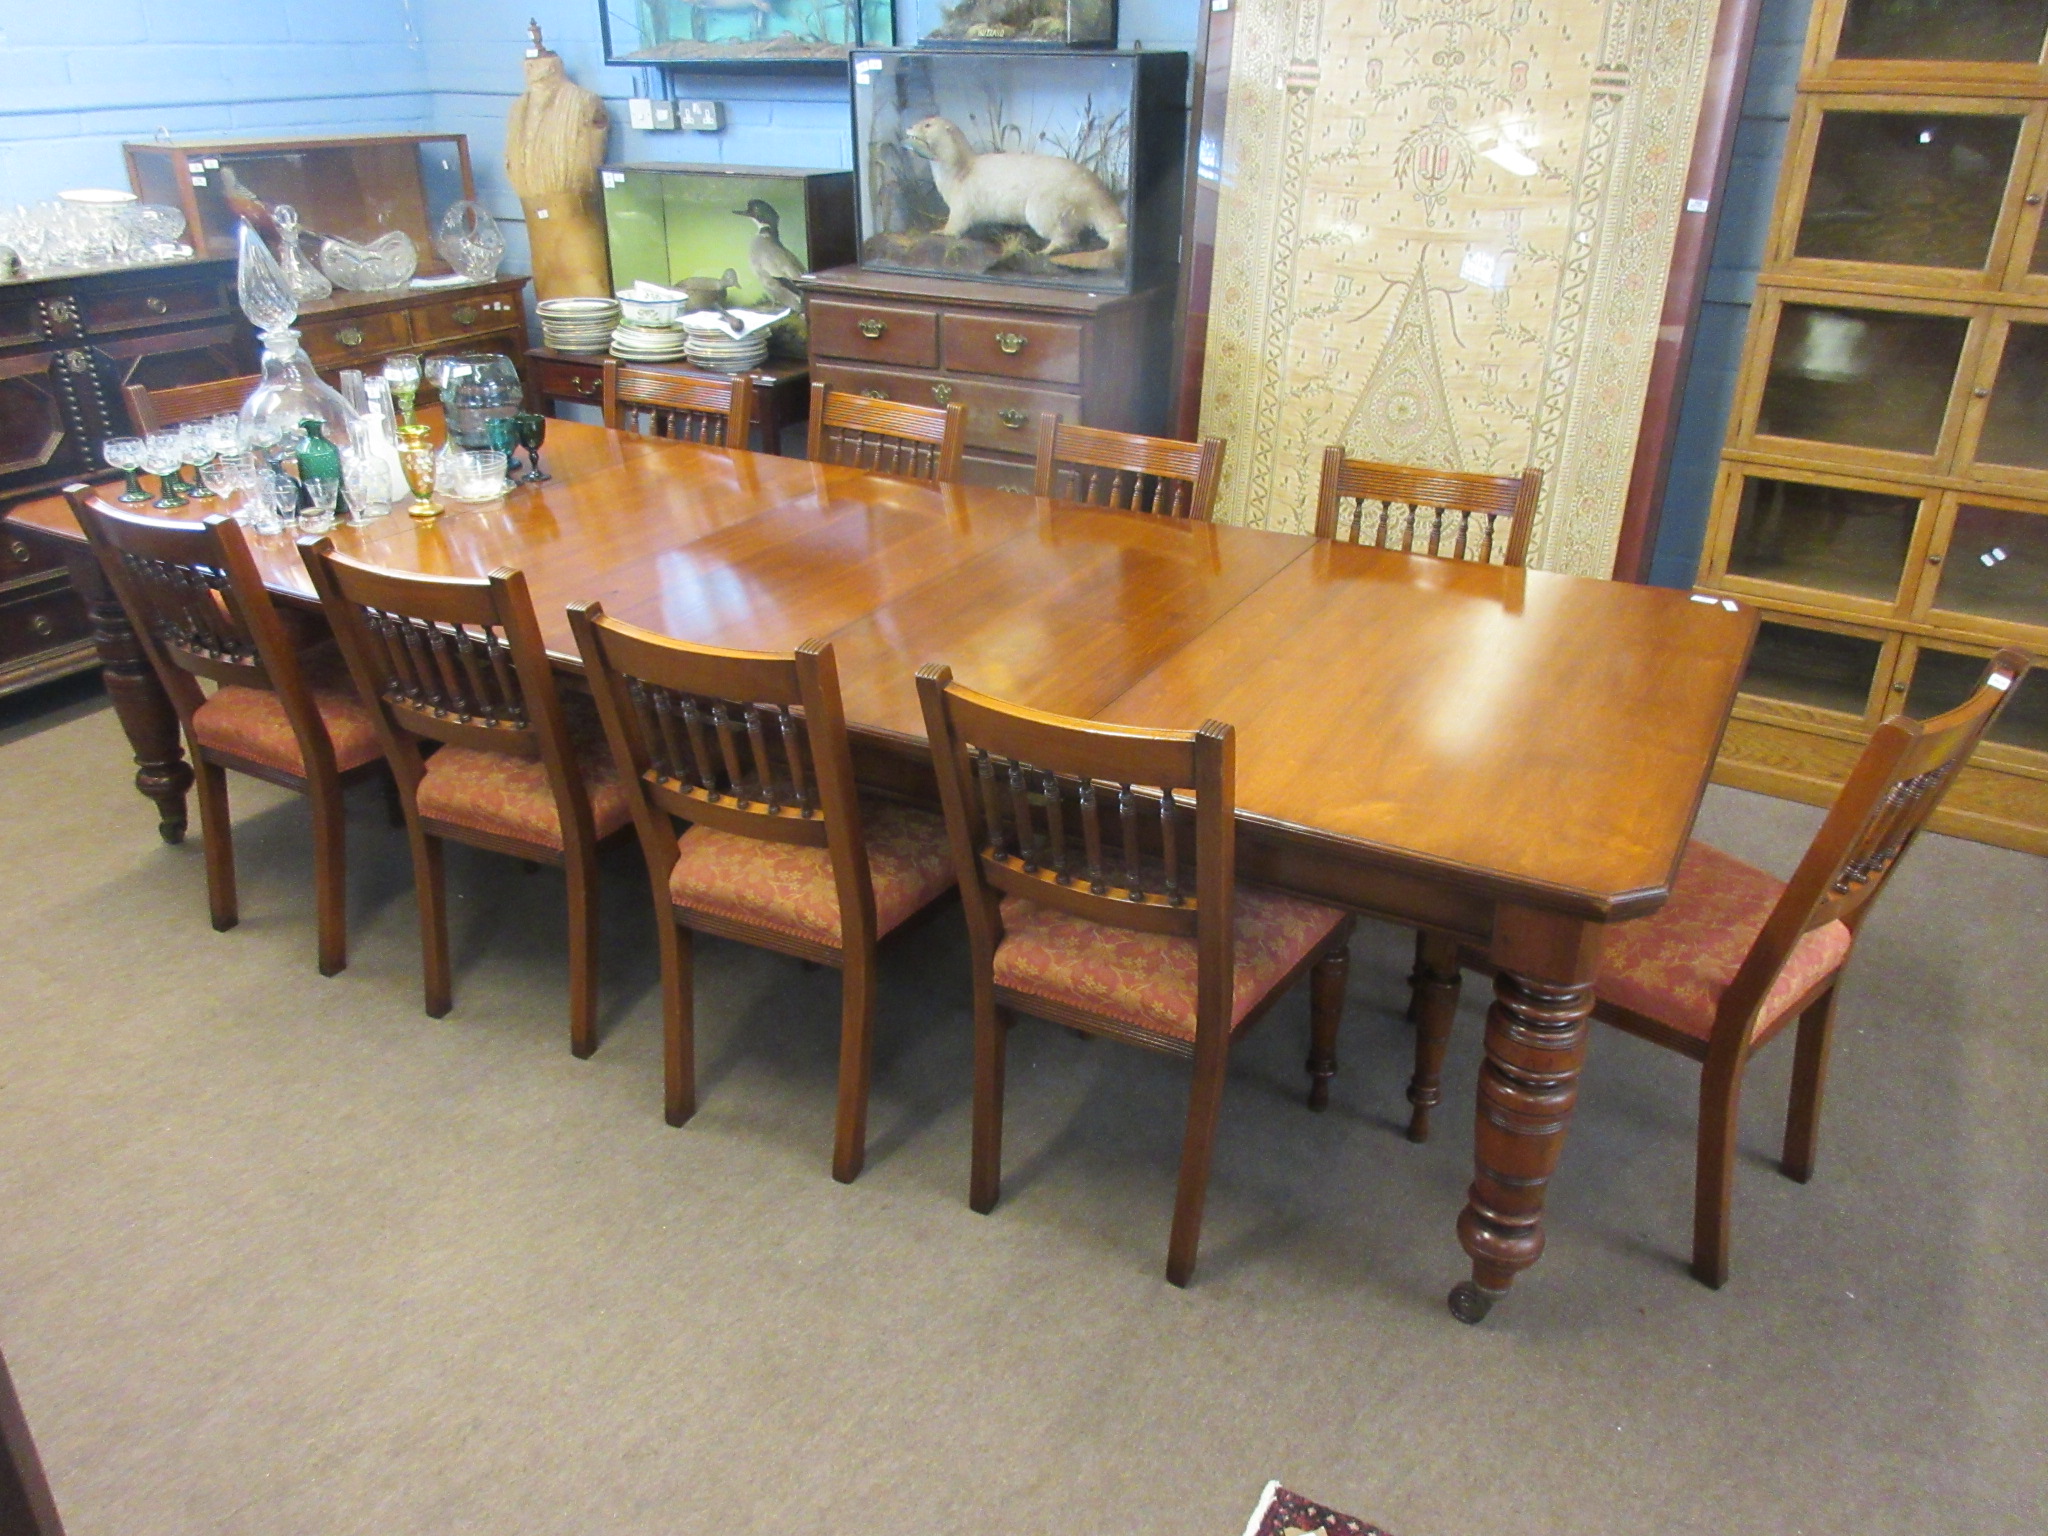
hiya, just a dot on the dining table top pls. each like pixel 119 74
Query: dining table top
pixel 1542 738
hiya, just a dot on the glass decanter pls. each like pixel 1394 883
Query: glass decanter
pixel 291 390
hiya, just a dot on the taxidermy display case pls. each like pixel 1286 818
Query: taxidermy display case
pixel 774 33
pixel 1061 169
pixel 1016 23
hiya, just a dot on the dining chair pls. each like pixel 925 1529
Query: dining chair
pixel 154 409
pixel 1734 956
pixel 1442 512
pixel 284 710
pixel 1452 515
pixel 456 666
pixel 913 442
pixel 1097 866
pixel 717 413
pixel 749 752
pixel 1127 472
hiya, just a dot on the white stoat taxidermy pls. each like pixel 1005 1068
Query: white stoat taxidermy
pixel 1058 200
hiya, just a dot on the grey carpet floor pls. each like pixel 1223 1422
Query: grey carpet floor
pixel 281 1254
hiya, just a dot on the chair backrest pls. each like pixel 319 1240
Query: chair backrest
pixel 718 413
pixel 914 442
pixel 199 606
pixel 154 409
pixel 1898 782
pixel 452 659
pixel 1128 472
pixel 1129 827
pixel 1442 512
pixel 738 741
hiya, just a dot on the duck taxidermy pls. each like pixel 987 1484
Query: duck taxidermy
pixel 1057 199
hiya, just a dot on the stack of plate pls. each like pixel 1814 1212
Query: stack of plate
pixel 648 343
pixel 578 325
pixel 726 354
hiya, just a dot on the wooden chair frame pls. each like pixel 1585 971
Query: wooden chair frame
pixel 969 732
pixel 1897 783
pixel 154 409
pixel 1127 472
pixel 1438 491
pixel 438 672
pixel 885 437
pixel 200 609
pixel 715 413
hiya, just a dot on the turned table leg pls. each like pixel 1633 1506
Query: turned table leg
pixel 151 725
pixel 1535 1044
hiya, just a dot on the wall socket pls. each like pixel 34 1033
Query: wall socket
pixel 657 115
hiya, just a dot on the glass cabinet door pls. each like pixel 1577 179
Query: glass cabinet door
pixel 1993 571
pixel 1957 31
pixel 1841 540
pixel 1936 680
pixel 1814 667
pixel 1872 380
pixel 1891 183
pixel 2010 440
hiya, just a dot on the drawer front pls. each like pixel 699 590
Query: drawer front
pixel 44 622
pixel 128 309
pixel 875 333
pixel 459 319
pixel 1003 417
pixel 24 554
pixel 567 381
pixel 994 470
pixel 355 339
pixel 1046 350
pixel 21 321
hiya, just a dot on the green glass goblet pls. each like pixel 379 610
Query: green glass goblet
pixel 533 431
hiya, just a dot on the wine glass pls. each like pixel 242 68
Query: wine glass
pixel 416 454
pixel 195 447
pixel 502 433
pixel 366 484
pixel 533 431
pixel 319 517
pixel 161 457
pixel 402 373
pixel 125 454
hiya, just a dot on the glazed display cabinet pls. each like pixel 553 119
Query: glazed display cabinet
pixel 1883 496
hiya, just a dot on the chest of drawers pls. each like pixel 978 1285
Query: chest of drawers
pixel 1005 352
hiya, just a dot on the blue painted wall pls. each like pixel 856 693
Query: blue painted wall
pixel 1709 387
pixel 80 77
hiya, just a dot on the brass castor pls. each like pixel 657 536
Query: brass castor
pixel 1470 1301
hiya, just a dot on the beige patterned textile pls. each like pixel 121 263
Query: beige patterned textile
pixel 1443 237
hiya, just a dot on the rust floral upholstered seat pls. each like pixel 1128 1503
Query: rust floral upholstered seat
pixel 1150 980
pixel 1676 964
pixel 789 888
pixel 749 751
pixel 501 794
pixel 1734 955
pixel 252 723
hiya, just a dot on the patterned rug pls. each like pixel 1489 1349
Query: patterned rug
pixel 1284 1513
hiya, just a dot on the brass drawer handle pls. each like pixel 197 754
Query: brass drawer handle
pixel 942 393
pixel 41 626
pixel 18 551
pixel 872 329
pixel 1013 419
pixel 587 386
pixel 155 305
pixel 465 314
pixel 876 394
pixel 1009 343
pixel 349 336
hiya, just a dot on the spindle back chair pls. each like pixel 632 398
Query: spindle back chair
pixel 1127 472
pixel 154 409
pixel 1124 829
pixel 913 442
pixel 459 663
pixel 717 413
pixel 199 607
pixel 1443 512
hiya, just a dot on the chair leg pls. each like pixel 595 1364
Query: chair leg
pixel 856 1066
pixel 1325 1011
pixel 217 836
pixel 430 887
pixel 583 907
pixel 394 802
pixel 679 1021
pixel 991 1046
pixel 1714 1170
pixel 330 876
pixel 1433 1007
pixel 1809 1085
pixel 1205 1105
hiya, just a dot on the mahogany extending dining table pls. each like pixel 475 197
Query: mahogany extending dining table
pixel 1511 758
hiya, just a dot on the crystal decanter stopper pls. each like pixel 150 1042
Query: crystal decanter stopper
pixel 306 281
